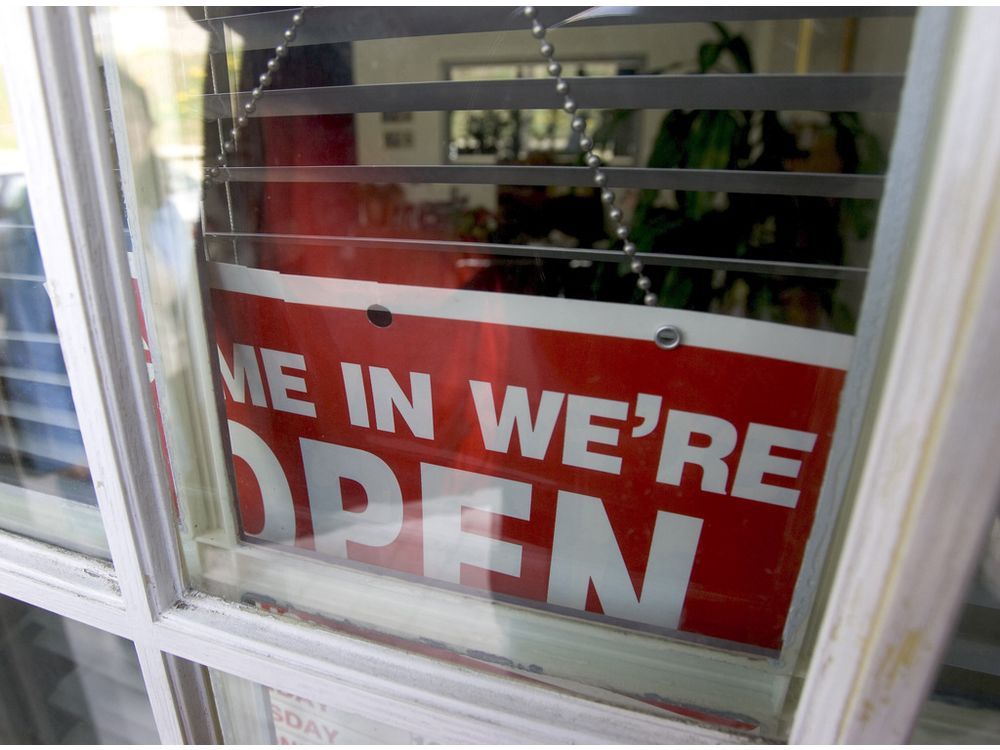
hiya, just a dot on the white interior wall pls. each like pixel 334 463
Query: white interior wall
pixel 881 46
pixel 427 58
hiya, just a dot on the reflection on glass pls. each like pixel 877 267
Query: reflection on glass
pixel 512 136
pixel 447 423
pixel 45 487
pixel 964 706
pixel 64 683
pixel 255 715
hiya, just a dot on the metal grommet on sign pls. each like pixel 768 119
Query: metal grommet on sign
pixel 667 337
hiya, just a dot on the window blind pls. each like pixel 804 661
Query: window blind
pixel 39 432
pixel 252 33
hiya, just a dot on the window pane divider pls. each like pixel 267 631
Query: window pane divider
pixel 452 703
pixel 722 679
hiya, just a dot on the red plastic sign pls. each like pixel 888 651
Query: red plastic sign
pixel 546 450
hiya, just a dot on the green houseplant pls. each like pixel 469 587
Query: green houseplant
pixel 741 226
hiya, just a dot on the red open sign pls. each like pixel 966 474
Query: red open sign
pixel 543 449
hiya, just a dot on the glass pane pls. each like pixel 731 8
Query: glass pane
pixel 964 706
pixel 68 684
pixel 45 486
pixel 252 714
pixel 452 415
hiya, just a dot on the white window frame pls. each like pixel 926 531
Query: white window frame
pixel 921 494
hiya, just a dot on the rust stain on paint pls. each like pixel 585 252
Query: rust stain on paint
pixel 899 658
pixel 895 663
pixel 867 709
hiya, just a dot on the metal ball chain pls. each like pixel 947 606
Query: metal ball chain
pixel 241 121
pixel 592 160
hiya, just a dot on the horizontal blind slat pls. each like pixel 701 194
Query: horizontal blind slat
pixel 338 24
pixel 331 25
pixel 65 452
pixel 35 279
pixel 831 93
pixel 705 180
pixel 40 414
pixel 779 268
pixel 631 15
pixel 36 376
pixel 29 337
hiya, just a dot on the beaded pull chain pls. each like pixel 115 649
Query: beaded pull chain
pixel 578 124
pixel 593 161
pixel 272 65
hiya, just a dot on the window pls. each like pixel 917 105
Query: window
pixel 45 486
pixel 212 534
pixel 67 683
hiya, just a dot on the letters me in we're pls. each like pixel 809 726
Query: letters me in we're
pixel 585 553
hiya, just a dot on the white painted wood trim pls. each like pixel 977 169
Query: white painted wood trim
pixel 197 460
pixel 57 106
pixel 449 703
pixel 79 230
pixel 930 477
pixel 67 583
pixel 622 661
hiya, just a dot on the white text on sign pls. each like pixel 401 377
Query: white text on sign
pixel 695 449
